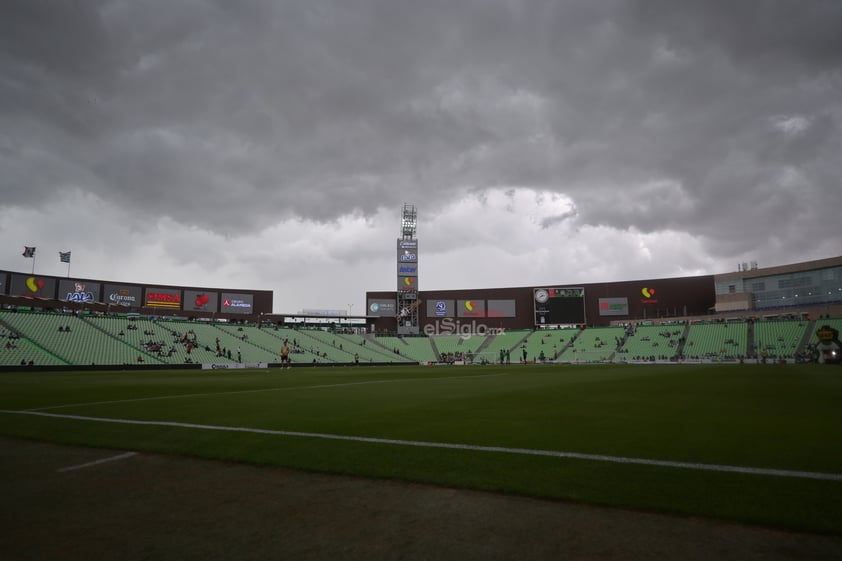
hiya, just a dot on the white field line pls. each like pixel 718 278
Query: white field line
pixel 455 446
pixel 97 462
pixel 281 389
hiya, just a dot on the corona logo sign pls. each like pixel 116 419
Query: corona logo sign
pixel 648 295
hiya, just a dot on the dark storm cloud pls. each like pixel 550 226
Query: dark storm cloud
pixel 714 118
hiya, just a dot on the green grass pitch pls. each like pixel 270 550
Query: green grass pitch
pixel 771 417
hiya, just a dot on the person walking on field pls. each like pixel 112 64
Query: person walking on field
pixel 285 355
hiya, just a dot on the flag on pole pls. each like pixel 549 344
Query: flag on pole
pixel 64 256
pixel 28 251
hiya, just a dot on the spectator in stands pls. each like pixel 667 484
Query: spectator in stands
pixel 285 355
pixel 139 359
pixel 356 358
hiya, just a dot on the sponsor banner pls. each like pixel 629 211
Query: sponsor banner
pixel 441 308
pixel 613 306
pixel 381 308
pixel 3 283
pixel 406 284
pixel 322 313
pixel 33 285
pixel 470 308
pixel 236 303
pixel 169 298
pixel 648 295
pixel 408 269
pixel 407 251
pixel 234 366
pixel 78 291
pixel 200 301
pixel 121 295
pixel 501 309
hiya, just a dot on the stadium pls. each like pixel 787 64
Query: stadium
pixel 696 396
pixel 761 314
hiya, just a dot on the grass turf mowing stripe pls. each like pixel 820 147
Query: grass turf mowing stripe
pixel 457 446
pixel 281 389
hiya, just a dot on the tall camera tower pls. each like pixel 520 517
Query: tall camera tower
pixel 407 295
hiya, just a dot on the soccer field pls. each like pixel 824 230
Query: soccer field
pixel 742 442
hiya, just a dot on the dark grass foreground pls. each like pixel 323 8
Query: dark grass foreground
pixel 781 417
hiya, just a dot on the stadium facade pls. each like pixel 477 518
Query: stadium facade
pixel 808 288
pixel 45 291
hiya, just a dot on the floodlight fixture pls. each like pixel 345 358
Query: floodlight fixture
pixel 409 220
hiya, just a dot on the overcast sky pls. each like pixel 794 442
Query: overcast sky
pixel 272 144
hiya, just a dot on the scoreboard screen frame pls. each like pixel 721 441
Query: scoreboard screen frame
pixel 559 305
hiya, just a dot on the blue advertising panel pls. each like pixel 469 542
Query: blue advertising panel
pixel 78 290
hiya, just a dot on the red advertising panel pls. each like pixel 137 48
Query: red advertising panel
pixel 163 298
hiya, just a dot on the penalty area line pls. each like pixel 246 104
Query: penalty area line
pixel 455 446
pixel 97 462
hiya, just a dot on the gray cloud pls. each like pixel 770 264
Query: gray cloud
pixel 722 122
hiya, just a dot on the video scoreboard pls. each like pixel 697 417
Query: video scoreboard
pixel 559 305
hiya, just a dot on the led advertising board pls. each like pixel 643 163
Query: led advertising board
pixel 406 284
pixel 441 308
pixel 379 307
pixel 236 303
pixel 407 251
pixel 169 298
pixel 121 295
pixel 613 306
pixel 200 301
pixel 78 291
pixel 501 309
pixel 33 285
pixel 470 308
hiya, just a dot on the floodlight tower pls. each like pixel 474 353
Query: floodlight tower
pixel 407 294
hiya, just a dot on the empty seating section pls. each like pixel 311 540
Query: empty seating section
pixel 652 342
pixel 71 339
pixel 369 352
pixel 416 348
pixel 506 341
pixel 328 343
pixel 594 344
pixel 458 345
pixel 15 351
pixel 551 342
pixel 716 340
pixel 778 338
pixel 303 348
